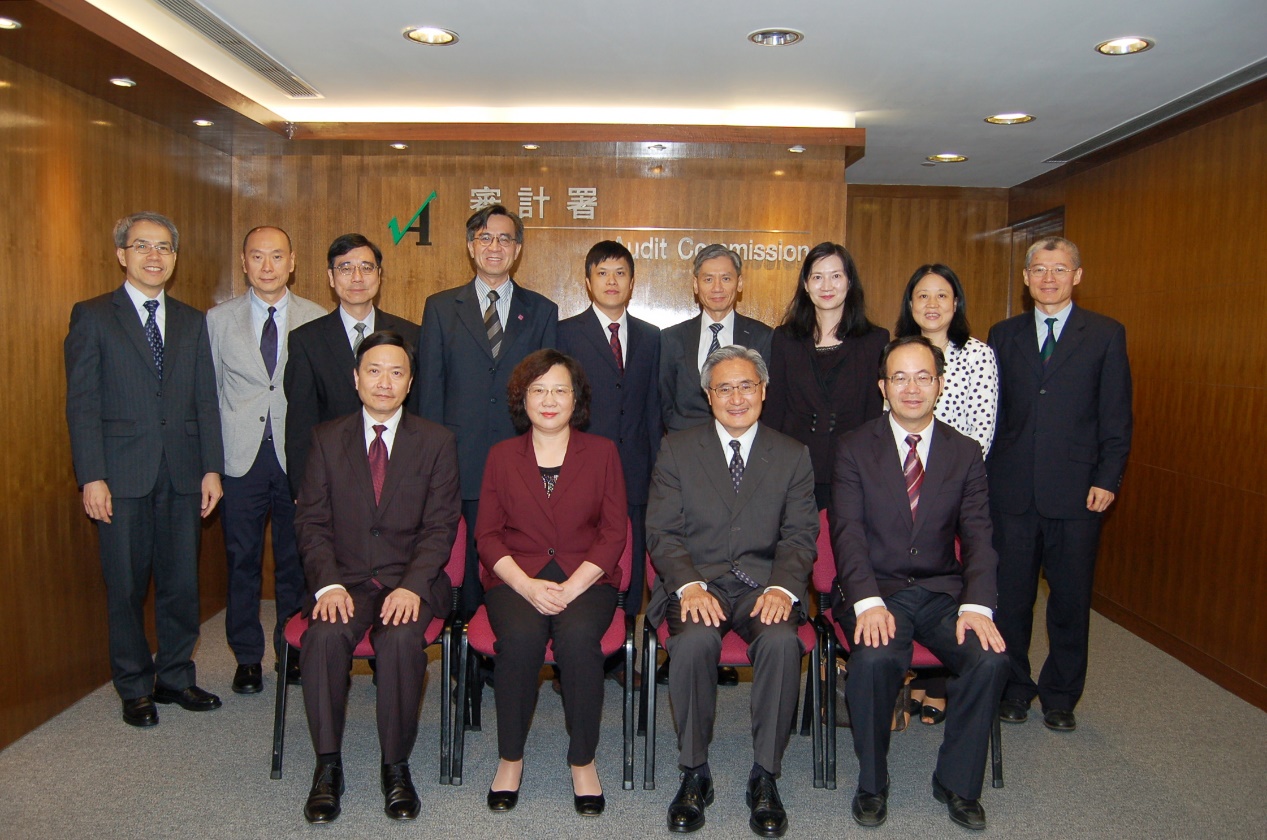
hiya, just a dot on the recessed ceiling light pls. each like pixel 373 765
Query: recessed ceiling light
pixel 776 37
pixel 657 170
pixel 203 123
pixel 946 157
pixel 9 23
pixel 102 123
pixel 1010 119
pixel 400 147
pixel 1124 46
pixel 123 82
pixel 777 172
pixel 431 36
pixel 532 147
pixel 796 150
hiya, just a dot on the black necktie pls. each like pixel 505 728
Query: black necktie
pixel 714 344
pixel 1049 343
pixel 153 336
pixel 736 465
pixel 268 342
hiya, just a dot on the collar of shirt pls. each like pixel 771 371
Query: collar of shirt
pixel 899 438
pixel 623 321
pixel 259 313
pixel 349 324
pixel 1040 322
pixel 389 434
pixel 725 338
pixel 138 300
pixel 745 441
pixel 505 292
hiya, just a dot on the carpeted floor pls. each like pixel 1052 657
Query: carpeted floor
pixel 1160 752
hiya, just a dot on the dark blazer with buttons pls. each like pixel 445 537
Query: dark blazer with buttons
pixel 682 400
pixel 402 541
pixel 459 384
pixel 880 550
pixel 123 419
pixel 1063 428
pixel 585 518
pixel 623 408
pixel 318 381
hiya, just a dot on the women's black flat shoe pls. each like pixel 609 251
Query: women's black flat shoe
pixel 589 806
pixel 502 800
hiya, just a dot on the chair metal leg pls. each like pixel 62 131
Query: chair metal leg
pixel 474 691
pixel 649 686
pixel 814 704
pixel 279 714
pixel 447 707
pixel 628 720
pixel 459 728
pixel 829 703
pixel 648 673
pixel 996 754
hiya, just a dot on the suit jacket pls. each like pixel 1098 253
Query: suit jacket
pixel 799 404
pixel 123 419
pixel 698 526
pixel 318 381
pixel 682 400
pixel 247 393
pixel 585 518
pixel 625 409
pixel 1064 428
pixel 458 382
pixel 879 550
pixel 404 540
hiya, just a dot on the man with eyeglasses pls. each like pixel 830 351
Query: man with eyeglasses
pixel 145 440
pixel 731 526
pixel 904 487
pixel 318 381
pixel 472 337
pixel 1062 438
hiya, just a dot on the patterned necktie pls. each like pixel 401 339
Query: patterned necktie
pixel 360 328
pixel 268 342
pixel 378 461
pixel 153 337
pixel 914 472
pixel 493 324
pixel 616 350
pixel 736 465
pixel 714 344
pixel 1049 343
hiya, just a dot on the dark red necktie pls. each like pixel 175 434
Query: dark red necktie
pixel 378 461
pixel 914 472
pixel 616 351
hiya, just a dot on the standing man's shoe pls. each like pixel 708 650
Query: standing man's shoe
pixel 965 812
pixel 871 809
pixel 768 817
pixel 248 679
pixel 1013 711
pixel 1060 720
pixel 323 798
pixel 400 797
pixel 686 811
pixel 140 711
pixel 191 699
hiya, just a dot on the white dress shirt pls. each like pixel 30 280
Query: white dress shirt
pixel 725 338
pixel 160 314
pixel 504 293
pixel 349 324
pixel 1040 322
pixel 623 332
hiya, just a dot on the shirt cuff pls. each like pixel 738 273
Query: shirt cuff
pixel 323 590
pixel 795 600
pixel 865 604
pixel 977 608
pixel 682 588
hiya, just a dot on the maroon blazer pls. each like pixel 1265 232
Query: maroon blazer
pixel 585 518
pixel 404 540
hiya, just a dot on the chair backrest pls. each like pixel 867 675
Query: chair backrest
pixel 825 562
pixel 456 567
pixel 626 559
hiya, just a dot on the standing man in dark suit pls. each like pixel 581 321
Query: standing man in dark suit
pixel 731 524
pixel 145 438
pixel 905 485
pixel 1060 447
pixel 248 346
pixel 620 355
pixel 376 519
pixel 472 338
pixel 318 379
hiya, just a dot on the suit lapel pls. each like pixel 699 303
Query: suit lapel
pixel 358 463
pixel 520 314
pixel 131 324
pixel 567 474
pixel 1071 335
pixel 404 448
pixel 336 340
pixel 691 350
pixel 889 468
pixel 471 314
pixel 935 472
pixel 755 471
pixel 1026 340
pixel 601 340
pixel 716 465
pixel 247 330
pixel 530 474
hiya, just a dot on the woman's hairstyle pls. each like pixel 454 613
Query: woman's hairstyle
pixel 800 319
pixel 958 332
pixel 533 367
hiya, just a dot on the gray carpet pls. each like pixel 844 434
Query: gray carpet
pixel 1160 752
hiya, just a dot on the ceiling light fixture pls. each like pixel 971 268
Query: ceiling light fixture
pixel 777 172
pixel 796 150
pixel 9 23
pixel 1128 45
pixel 123 82
pixel 431 36
pixel 658 147
pixel 400 147
pixel 1009 119
pixel 946 157
pixel 776 37
pixel 203 123
pixel 531 147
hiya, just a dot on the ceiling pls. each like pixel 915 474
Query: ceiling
pixel 919 76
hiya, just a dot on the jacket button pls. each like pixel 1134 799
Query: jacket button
pixel 261 419
pixel 618 386
pixel 910 580
pixel 272 387
pixel 162 422
pixel 914 551
pixel 375 532
pixel 552 552
pixel 374 573
pixel 493 400
pixel 1042 390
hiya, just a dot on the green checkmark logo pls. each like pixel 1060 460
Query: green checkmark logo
pixel 398 233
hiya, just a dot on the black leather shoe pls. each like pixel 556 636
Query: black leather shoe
pixel 871 809
pixel 965 812
pixel 589 806
pixel 1013 711
pixel 140 711
pixel 191 699
pixel 686 811
pixel 400 797
pixel 503 800
pixel 727 675
pixel 323 798
pixel 662 672
pixel 768 817
pixel 248 679
pixel 293 676
pixel 1059 720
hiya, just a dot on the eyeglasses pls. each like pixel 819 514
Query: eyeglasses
pixel 503 239
pixel 142 248
pixel 923 379
pixel 347 269
pixel 560 392
pixel 747 388
pixel 1040 271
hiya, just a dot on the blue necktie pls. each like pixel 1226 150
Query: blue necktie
pixel 153 336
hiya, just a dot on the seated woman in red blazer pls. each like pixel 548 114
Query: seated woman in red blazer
pixel 552 527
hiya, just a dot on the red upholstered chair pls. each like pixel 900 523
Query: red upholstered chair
pixel 438 631
pixel 477 636
pixel 734 653
pixel 833 639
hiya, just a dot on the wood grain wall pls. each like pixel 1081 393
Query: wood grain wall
pixel 70 166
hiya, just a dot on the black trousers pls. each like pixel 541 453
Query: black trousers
pixel 522 634
pixel 156 535
pixel 472 594
pixel 1065 551
pixel 972 691
pixel 248 501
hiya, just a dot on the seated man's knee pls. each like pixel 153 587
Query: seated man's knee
pixel 695 642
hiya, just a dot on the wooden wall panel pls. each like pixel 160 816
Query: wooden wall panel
pixel 70 166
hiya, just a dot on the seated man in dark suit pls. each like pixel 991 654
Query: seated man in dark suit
pixel 732 524
pixel 375 522
pixel 893 525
